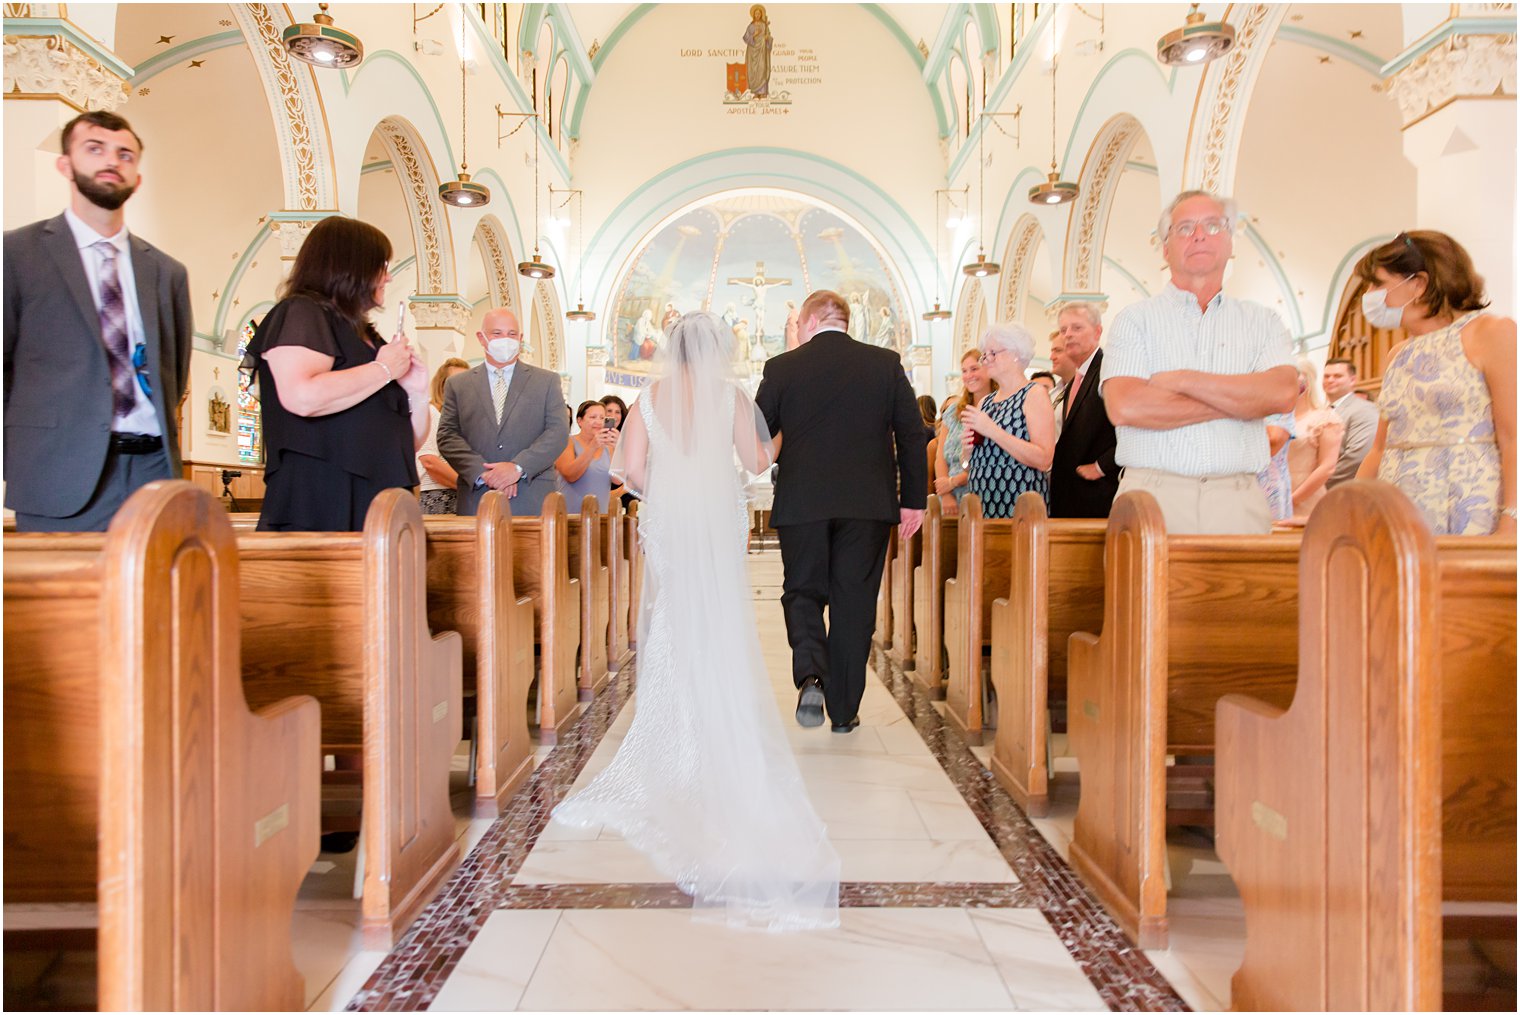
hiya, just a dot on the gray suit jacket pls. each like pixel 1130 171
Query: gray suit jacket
pixel 1361 418
pixel 57 377
pixel 534 429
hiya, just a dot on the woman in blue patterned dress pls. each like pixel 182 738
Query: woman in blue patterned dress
pixel 1017 426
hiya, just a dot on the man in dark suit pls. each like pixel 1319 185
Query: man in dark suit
pixel 97 344
pixel 1083 476
pixel 503 423
pixel 848 432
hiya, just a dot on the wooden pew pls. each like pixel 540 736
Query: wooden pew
pixel 1388 785
pixel 1055 590
pixel 1186 619
pixel 884 630
pixel 615 556
pixel 136 776
pixel 937 563
pixel 635 551
pixel 542 572
pixel 470 590
pixel 981 573
pixel 584 538
pixel 904 566
pixel 343 616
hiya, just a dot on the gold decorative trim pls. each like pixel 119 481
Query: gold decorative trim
pixel 421 192
pixel 1222 93
pixel 52 67
pixel 294 104
pixel 502 275
pixel 1114 144
pixel 972 304
pixel 1018 267
pixel 1463 66
pixel 547 313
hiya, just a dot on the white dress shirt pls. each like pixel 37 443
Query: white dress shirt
pixel 1170 332
pixel 144 417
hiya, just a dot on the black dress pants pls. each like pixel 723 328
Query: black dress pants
pixel 835 564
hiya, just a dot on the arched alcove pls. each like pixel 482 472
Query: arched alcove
pixel 546 345
pixel 494 265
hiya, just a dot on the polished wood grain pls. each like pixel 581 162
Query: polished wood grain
pixel 634 547
pixel 1388 785
pixel 584 538
pixel 937 563
pixel 615 556
pixel 907 554
pixel 982 572
pixel 541 571
pixel 1055 588
pixel 136 775
pixel 884 618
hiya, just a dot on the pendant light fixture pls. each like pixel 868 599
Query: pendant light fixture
pixel 1054 190
pixel 464 192
pixel 936 314
pixel 1196 42
pixel 981 267
pixel 534 268
pixel 580 313
pixel 321 43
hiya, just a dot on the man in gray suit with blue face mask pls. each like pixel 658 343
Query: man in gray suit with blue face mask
pixel 503 423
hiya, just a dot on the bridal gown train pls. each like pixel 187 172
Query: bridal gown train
pixel 705 783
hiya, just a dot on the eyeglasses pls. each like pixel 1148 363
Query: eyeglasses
pixel 140 366
pixel 988 357
pixel 1210 227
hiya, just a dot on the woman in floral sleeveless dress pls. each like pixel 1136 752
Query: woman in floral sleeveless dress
pixel 1447 433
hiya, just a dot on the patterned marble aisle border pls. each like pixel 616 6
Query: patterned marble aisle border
pixel 1121 973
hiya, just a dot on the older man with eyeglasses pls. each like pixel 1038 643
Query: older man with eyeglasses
pixel 1189 376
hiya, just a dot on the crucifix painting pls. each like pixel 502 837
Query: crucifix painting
pixel 758 286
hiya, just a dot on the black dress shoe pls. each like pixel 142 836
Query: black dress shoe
pixel 810 702
pixel 845 727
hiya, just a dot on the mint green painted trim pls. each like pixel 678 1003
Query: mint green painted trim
pixel 949 34
pixel 391 56
pixel 449 298
pixel 1020 58
pixel 160 62
pixel 1289 299
pixel 509 221
pixel 632 18
pixel 1149 60
pixel 1354 55
pixel 1017 197
pixel 984 16
pixel 403 264
pixel 1456 26
pixel 489 45
pixel 1128 275
pixel 529 26
pixel 301 216
pixel 1341 274
pixel 57 26
pixel 375 167
pixel 243 320
pixel 579 62
pixel 1142 167
pixel 223 305
pixel 941 116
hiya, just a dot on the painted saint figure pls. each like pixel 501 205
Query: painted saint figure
pixel 792 338
pixel 757 57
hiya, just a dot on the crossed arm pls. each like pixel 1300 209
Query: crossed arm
pixel 1176 398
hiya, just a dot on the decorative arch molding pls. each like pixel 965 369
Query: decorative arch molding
pixel 295 105
pixel 970 316
pixel 1087 228
pixel 984 17
pixel 1224 95
pixel 419 186
pixel 501 273
pixel 546 326
pixel 1018 267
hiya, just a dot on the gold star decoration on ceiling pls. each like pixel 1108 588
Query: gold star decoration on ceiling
pixel 216 294
pixel 1356 33
pixel 164 40
pixel 197 63
pixel 1324 59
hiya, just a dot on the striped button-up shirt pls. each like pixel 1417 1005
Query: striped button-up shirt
pixel 1169 332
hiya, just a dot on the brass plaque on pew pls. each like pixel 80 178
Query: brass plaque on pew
pixel 270 825
pixel 440 710
pixel 1269 821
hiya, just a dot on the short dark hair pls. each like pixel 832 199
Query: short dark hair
pixel 338 265
pixel 99 118
pixel 581 412
pixel 1042 373
pixel 1350 366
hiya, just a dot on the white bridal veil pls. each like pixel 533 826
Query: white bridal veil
pixel 705 783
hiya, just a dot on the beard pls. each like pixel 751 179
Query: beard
pixel 103 195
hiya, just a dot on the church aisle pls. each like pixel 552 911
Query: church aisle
pixel 950 898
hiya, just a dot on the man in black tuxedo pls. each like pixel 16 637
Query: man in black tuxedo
pixel 838 410
pixel 1083 476
pixel 97 344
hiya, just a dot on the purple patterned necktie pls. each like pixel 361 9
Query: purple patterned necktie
pixel 113 327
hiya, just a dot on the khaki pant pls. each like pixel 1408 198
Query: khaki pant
pixel 1231 504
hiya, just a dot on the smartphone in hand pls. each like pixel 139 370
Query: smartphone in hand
pixel 400 319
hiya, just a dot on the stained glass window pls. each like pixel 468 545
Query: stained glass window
pixel 250 421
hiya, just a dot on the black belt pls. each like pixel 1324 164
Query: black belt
pixel 136 443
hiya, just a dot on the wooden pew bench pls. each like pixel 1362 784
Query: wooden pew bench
pixel 614 551
pixel 634 550
pixel 937 560
pixel 906 554
pixel 884 632
pixel 137 779
pixel 470 590
pixel 981 575
pixel 1387 787
pixel 584 540
pixel 1055 589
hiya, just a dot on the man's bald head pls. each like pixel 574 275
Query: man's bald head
pixel 500 326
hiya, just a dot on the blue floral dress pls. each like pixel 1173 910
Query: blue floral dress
pixel 1275 480
pixel 1441 451
pixel 996 476
pixel 954 449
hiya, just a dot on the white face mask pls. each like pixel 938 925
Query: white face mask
pixel 503 350
pixel 1377 311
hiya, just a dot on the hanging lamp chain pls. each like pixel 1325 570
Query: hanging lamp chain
pixel 464 109
pixel 1052 114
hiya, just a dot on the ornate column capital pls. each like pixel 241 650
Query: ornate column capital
pixel 292 227
pixel 919 355
pixel 48 58
pixel 1098 301
pixel 596 355
pixel 448 312
pixel 1460 66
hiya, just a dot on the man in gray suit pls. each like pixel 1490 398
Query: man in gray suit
pixel 503 423
pixel 1360 416
pixel 97 344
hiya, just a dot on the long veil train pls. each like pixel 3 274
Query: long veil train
pixel 705 782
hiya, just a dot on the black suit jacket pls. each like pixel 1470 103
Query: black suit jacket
pixel 1087 436
pixel 842 408
pixel 57 378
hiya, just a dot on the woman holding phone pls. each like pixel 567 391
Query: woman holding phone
pixel 344 410
pixel 584 464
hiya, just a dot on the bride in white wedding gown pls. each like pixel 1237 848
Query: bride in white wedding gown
pixel 705 782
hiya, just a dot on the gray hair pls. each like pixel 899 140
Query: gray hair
pixel 1164 224
pixel 1087 310
pixel 1010 336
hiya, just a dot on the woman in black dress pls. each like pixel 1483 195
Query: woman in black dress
pixel 344 410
